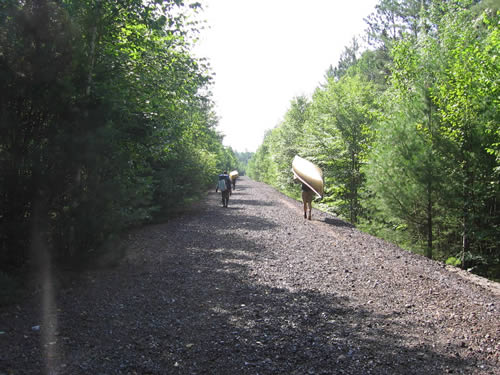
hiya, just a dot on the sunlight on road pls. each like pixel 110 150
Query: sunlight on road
pixel 48 326
pixel 49 320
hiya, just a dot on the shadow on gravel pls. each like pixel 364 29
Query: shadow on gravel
pixel 217 318
pixel 338 223
pixel 239 193
pixel 211 314
pixel 193 303
pixel 231 207
pixel 250 202
pixel 246 327
pixel 229 321
pixel 242 222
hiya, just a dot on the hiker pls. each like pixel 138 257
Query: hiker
pixel 234 182
pixel 307 197
pixel 224 185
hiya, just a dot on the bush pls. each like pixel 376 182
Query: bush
pixel 452 261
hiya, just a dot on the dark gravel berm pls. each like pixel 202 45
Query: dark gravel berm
pixel 256 289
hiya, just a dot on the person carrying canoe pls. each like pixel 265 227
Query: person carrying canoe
pixel 311 178
pixel 233 176
pixel 224 185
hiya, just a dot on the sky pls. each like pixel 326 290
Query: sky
pixel 264 53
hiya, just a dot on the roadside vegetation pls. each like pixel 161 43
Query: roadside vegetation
pixel 407 132
pixel 106 123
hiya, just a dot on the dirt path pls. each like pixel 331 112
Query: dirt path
pixel 256 289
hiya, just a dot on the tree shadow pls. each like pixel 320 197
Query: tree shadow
pixel 239 192
pixel 211 313
pixel 337 222
pixel 251 202
pixel 198 298
pixel 224 220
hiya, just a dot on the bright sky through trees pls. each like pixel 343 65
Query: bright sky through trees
pixel 265 52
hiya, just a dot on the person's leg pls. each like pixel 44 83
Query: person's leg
pixel 304 200
pixel 307 197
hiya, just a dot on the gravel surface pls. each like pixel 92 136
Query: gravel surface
pixel 256 289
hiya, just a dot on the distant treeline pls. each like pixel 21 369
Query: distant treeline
pixel 407 131
pixel 243 159
pixel 106 122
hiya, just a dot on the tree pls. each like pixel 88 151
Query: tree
pixel 105 113
pixel 430 168
pixel 288 140
pixel 468 99
pixel 407 133
pixel 262 167
pixel 405 169
pixel 341 133
pixel 348 58
pixel 395 19
pixel 243 159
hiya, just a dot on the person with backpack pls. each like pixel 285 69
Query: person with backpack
pixel 224 185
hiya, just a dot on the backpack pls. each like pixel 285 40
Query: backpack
pixel 222 185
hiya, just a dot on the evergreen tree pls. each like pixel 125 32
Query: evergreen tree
pixel 340 133
pixel 102 120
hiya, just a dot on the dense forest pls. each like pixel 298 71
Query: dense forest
pixel 406 131
pixel 243 159
pixel 106 122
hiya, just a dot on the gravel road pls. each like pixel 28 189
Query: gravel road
pixel 256 289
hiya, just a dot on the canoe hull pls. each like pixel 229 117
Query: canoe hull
pixel 308 173
pixel 234 175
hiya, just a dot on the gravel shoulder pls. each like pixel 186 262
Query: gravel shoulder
pixel 256 289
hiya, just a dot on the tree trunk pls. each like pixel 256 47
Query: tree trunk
pixel 467 195
pixel 465 222
pixel 428 251
pixel 353 189
pixel 91 60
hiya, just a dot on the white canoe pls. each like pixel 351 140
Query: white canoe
pixel 234 175
pixel 308 173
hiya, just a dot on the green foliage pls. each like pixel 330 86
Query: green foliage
pixel 227 160
pixel 430 167
pixel 261 167
pixel 243 159
pixel 103 121
pixel 407 133
pixel 347 109
pixel 468 98
pixel 452 261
